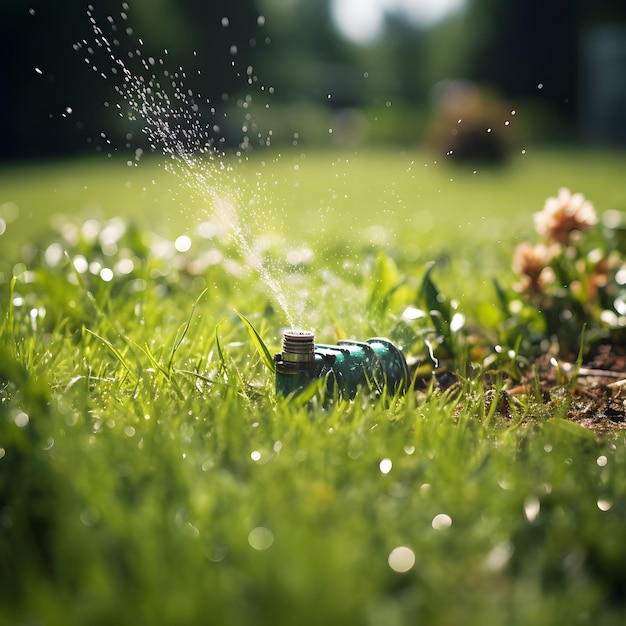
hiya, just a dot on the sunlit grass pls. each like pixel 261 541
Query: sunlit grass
pixel 149 474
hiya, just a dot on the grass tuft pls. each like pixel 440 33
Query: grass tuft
pixel 149 473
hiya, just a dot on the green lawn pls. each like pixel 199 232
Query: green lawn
pixel 148 472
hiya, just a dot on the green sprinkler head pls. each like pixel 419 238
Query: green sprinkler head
pixel 372 365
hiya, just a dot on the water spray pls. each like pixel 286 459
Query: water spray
pixel 374 365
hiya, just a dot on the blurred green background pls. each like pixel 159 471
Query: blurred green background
pixel 332 72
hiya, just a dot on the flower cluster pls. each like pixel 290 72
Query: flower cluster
pixel 565 217
pixel 560 224
pixel 573 276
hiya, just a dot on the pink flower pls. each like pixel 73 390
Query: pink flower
pixel 564 215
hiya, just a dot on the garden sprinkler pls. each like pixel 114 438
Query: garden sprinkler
pixel 372 365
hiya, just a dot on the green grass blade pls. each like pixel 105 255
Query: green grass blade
pixel 9 322
pixel 220 353
pixel 259 344
pixel 116 353
pixel 184 330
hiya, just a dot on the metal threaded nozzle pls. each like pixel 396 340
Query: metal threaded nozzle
pixel 298 346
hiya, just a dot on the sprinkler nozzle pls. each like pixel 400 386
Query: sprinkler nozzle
pixel 372 365
pixel 298 346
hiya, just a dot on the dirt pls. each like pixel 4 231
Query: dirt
pixel 592 394
pixel 595 391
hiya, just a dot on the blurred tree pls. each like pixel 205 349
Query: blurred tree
pixel 42 76
pixel 231 49
pixel 531 49
pixel 38 71
pixel 307 58
pixel 521 46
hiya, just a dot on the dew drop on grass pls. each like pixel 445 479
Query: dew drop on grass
pixel 401 559
pixel 182 243
pixel 9 211
pixel 21 419
pixel 54 254
pixel 601 461
pixel 532 506
pixel 260 538
pixel 498 556
pixel 457 322
pixel 385 466
pixel 441 521
pixel 604 504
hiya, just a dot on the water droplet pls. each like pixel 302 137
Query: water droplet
pixel 260 538
pixel 385 466
pixel 260 20
pixel 499 556
pixel 182 243
pixel 601 461
pixel 413 313
pixel 532 506
pixel 441 521
pixel 225 22
pixel 80 264
pixel 604 505
pixel 457 323
pixel 401 559
pixel 21 419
